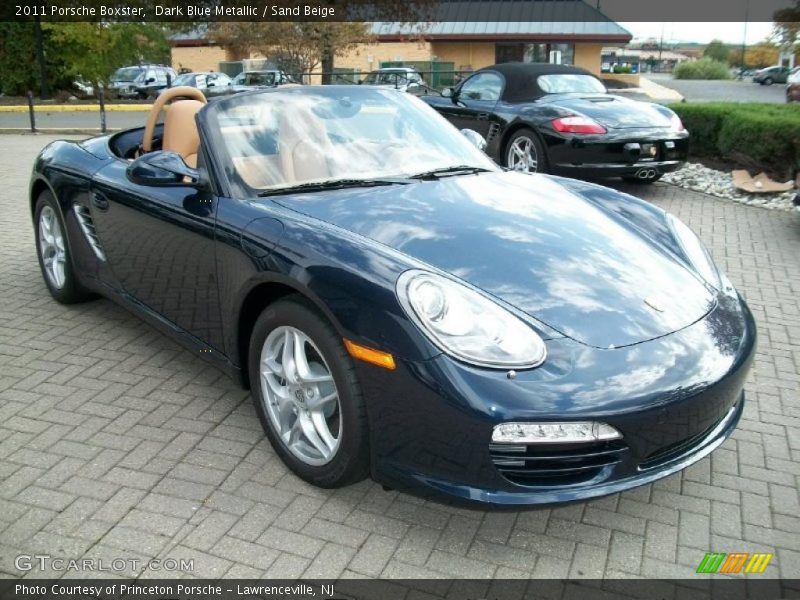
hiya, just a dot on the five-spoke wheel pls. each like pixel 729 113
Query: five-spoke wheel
pixel 307 395
pixel 525 153
pixel 53 250
pixel 51 247
pixel 301 396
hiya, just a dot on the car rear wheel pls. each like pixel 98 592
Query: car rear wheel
pixel 525 153
pixel 307 395
pixel 52 249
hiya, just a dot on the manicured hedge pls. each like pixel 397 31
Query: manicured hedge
pixel 758 136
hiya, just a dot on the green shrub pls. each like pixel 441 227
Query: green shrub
pixel 705 68
pixel 758 136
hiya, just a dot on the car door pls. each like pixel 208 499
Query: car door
pixel 474 102
pixel 159 243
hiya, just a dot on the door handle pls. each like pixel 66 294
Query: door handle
pixel 483 116
pixel 100 201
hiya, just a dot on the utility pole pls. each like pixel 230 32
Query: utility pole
pixel 744 38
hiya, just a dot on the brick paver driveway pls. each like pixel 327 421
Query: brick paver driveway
pixel 116 443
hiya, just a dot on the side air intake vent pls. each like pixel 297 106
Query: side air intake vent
pixel 87 226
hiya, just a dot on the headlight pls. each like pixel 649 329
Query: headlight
pixel 468 325
pixel 695 251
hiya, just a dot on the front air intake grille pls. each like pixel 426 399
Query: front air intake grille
pixel 86 223
pixel 685 446
pixel 549 464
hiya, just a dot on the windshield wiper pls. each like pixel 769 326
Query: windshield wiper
pixel 333 184
pixel 449 172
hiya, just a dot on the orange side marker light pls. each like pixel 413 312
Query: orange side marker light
pixel 370 355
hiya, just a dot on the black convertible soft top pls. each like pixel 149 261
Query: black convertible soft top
pixel 522 78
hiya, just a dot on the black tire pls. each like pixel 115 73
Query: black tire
pixel 350 463
pixel 768 81
pixel 647 181
pixel 71 292
pixel 541 153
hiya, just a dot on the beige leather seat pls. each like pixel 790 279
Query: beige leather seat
pixel 303 145
pixel 180 130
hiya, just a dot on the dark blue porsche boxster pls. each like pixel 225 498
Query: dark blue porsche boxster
pixel 399 305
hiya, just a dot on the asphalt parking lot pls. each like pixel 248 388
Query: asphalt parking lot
pixel 730 90
pixel 117 443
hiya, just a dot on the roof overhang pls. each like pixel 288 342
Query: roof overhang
pixel 511 37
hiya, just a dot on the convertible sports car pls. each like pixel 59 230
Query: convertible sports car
pixel 561 119
pixel 399 305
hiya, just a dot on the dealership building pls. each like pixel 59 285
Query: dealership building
pixel 464 36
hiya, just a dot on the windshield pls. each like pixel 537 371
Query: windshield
pixel 298 136
pixel 565 83
pixel 190 79
pixel 126 74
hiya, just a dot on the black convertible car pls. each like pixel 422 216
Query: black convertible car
pixel 561 119
pixel 399 305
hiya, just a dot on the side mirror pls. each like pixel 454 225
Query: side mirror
pixel 475 138
pixel 163 169
pixel 360 81
pixel 150 80
pixel 448 92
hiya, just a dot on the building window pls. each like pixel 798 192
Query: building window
pixel 562 53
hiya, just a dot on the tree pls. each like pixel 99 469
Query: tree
pixel 20 64
pixel 716 50
pixel 786 27
pixel 296 47
pixel 92 51
pixel 317 43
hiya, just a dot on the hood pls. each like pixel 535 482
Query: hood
pixel 613 112
pixel 531 242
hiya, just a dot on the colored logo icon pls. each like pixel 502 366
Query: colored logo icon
pixel 735 562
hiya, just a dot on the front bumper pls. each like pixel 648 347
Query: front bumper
pixel 674 399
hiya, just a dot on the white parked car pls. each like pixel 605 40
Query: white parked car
pixel 405 79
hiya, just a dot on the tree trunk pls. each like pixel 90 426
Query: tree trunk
pixel 327 66
pixel 37 32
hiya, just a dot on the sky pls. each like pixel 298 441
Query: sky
pixel 731 33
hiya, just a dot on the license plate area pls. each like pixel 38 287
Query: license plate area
pixel 649 152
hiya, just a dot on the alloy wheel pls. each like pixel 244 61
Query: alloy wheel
pixel 301 398
pixel 51 247
pixel 522 155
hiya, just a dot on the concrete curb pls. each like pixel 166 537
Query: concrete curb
pixel 659 92
pixel 19 108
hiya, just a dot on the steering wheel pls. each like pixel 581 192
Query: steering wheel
pixel 166 96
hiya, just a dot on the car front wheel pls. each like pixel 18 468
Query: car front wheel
pixel 307 395
pixel 768 81
pixel 525 153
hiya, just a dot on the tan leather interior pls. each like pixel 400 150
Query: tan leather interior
pixel 180 130
pixel 303 145
pixel 260 171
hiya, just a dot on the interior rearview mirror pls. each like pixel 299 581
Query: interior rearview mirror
pixel 163 169
pixel 475 138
